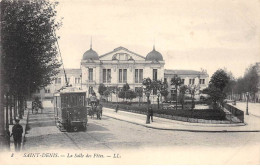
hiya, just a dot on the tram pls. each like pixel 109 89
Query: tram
pixel 70 109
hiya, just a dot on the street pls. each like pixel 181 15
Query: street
pixel 113 136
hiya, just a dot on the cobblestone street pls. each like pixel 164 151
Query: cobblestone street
pixel 113 136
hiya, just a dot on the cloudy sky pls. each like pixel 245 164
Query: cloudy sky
pixel 190 34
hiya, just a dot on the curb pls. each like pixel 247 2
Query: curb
pixel 185 130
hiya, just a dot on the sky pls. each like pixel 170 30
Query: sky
pixel 190 34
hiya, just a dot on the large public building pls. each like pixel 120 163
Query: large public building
pixel 121 66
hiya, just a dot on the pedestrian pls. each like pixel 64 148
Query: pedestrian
pixel 99 112
pixel 17 132
pixel 148 116
pixel 117 106
pixel 150 111
pixel 101 109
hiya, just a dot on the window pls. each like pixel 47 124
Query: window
pixel 125 76
pixel 191 81
pixel 90 74
pixel 77 80
pixel 202 81
pixel 122 75
pixel 90 90
pixel 106 75
pixel 138 75
pixel 57 80
pixel 47 90
pixel 154 74
pixel 182 81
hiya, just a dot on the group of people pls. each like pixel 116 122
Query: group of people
pixel 96 108
pixel 36 105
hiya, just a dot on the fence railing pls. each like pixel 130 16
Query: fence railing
pixel 235 111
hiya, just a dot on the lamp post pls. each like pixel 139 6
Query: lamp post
pixel 247 95
pixel 147 93
pixel 158 95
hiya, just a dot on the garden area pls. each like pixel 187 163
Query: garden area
pixel 206 114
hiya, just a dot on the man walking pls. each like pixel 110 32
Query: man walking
pixel 150 112
pixel 17 132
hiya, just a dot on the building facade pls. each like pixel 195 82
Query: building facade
pixel 118 67
pixel 121 66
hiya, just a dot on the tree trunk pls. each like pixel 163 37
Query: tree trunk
pixel 11 109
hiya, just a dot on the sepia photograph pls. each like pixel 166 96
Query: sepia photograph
pixel 130 82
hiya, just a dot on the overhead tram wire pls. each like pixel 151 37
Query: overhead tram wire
pixel 67 84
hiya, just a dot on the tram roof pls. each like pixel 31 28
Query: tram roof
pixel 67 90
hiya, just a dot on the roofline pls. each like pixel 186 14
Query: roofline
pixel 121 48
pixel 199 72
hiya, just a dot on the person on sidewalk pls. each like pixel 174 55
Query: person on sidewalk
pixel 150 112
pixel 117 106
pixel 17 132
pixel 148 116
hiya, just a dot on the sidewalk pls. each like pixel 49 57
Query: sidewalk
pixel 23 123
pixel 252 123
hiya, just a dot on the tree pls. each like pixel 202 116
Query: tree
pixel 147 82
pixel 164 90
pixel 252 80
pixel 176 82
pixel 193 89
pixel 126 87
pixel 107 93
pixel 139 94
pixel 220 79
pixel 29 51
pixel 122 93
pixel 215 90
pixel 101 89
pixel 182 91
pixel 129 94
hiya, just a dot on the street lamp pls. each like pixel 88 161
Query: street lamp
pixel 247 95
pixel 158 95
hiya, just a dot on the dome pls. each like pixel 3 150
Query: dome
pixel 90 54
pixel 154 55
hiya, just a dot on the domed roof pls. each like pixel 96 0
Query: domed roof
pixel 90 54
pixel 154 55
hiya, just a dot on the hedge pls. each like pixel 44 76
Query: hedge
pixel 207 114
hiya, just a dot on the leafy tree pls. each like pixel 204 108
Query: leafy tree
pixel 147 82
pixel 252 80
pixel 29 50
pixel 139 94
pixel 182 91
pixel 215 90
pixel 130 94
pixel 101 89
pixel 122 93
pixel 193 89
pixel 107 93
pixel 176 82
pixel 220 79
pixel 126 87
